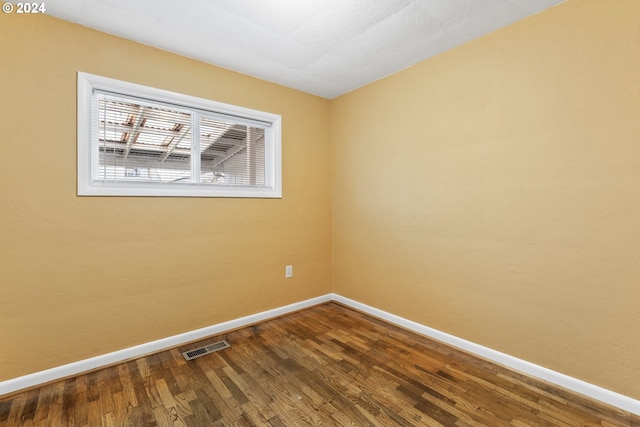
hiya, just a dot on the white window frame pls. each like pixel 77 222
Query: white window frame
pixel 88 147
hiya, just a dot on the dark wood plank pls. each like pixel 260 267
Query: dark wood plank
pixel 324 366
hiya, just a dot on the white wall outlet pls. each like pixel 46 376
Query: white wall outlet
pixel 288 271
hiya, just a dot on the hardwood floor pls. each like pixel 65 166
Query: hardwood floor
pixel 324 366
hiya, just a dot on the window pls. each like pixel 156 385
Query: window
pixel 135 140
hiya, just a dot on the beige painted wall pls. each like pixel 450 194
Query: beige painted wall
pixel 493 192
pixel 82 276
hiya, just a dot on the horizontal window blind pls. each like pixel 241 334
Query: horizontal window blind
pixel 141 141
pixel 135 140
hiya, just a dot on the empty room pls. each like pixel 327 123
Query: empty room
pixel 320 213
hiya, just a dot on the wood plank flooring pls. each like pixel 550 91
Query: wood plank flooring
pixel 324 366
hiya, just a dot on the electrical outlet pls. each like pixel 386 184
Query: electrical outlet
pixel 288 272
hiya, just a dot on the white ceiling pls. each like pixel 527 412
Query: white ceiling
pixel 323 47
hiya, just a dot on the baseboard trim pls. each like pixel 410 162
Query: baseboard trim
pixel 590 390
pixel 75 368
pixel 586 389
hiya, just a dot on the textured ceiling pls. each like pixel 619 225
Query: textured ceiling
pixel 324 47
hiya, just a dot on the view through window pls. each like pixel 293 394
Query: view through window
pixel 151 145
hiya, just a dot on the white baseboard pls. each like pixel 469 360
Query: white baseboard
pixel 590 390
pixel 75 368
pixel 595 392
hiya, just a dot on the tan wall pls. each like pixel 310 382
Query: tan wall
pixel 493 192
pixel 82 276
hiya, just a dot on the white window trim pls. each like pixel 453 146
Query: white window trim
pixel 87 158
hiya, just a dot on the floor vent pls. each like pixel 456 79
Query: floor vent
pixel 207 349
